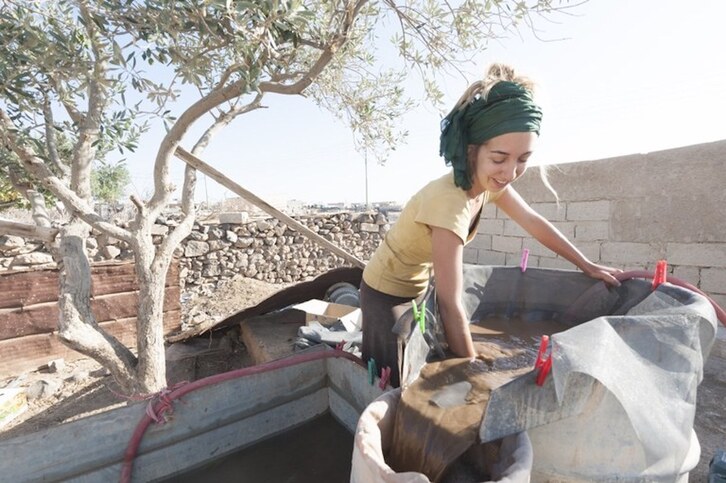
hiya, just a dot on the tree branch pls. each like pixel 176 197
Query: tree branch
pixel 36 167
pixel 50 138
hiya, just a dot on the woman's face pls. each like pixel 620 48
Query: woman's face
pixel 501 160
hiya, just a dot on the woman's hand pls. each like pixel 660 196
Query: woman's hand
pixel 602 272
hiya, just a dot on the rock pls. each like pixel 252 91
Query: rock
pixel 369 227
pixel 91 243
pixel 244 242
pixel 79 375
pixel 231 236
pixel 110 252
pixel 56 365
pixel 159 230
pixel 234 218
pixel 42 389
pixel 35 258
pixel 196 248
pixel 263 225
pixel 10 242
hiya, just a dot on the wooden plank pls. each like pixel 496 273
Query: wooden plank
pixel 43 318
pixel 270 337
pixel 30 287
pixel 217 176
pixel 32 352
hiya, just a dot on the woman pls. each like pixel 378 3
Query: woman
pixel 487 138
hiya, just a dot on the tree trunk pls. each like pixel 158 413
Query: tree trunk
pixel 77 325
pixel 151 275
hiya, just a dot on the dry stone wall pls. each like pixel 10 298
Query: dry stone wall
pixel 264 249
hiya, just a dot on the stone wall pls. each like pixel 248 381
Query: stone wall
pixel 264 249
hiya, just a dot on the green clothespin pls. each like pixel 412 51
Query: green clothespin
pixel 419 317
pixel 372 370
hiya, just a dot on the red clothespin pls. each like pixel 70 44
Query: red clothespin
pixel 544 365
pixel 525 258
pixel 661 273
pixel 339 346
pixel 385 377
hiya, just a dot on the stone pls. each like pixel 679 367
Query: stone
pixel 159 230
pixel 10 242
pixel 369 227
pixel 234 218
pixel 196 248
pixel 244 242
pixel 110 252
pixel 91 243
pixel 56 365
pixel 35 258
pixel 263 225
pixel 42 389
pixel 231 236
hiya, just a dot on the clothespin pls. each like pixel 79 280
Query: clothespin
pixel 372 371
pixel 419 316
pixel 339 346
pixel 525 258
pixel 385 377
pixel 661 273
pixel 544 365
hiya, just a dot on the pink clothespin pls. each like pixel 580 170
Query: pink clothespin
pixel 385 377
pixel 525 258
pixel 339 346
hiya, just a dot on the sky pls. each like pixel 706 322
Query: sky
pixel 616 77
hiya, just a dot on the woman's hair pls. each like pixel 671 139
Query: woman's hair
pixel 496 73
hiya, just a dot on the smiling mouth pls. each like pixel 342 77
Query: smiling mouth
pixel 499 183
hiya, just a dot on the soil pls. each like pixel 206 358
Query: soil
pixel 84 388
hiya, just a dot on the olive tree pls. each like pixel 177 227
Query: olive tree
pixel 82 80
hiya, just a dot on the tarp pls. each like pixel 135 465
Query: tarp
pixel 621 396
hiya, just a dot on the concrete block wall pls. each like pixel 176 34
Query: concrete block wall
pixel 628 212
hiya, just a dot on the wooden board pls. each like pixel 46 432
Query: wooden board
pixel 33 351
pixel 270 337
pixel 30 287
pixel 43 317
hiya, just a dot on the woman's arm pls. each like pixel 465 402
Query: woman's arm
pixel 448 255
pixel 536 225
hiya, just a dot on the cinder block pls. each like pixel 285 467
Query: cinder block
pixel 551 211
pixel 560 263
pixel 566 227
pixel 590 249
pixel 537 249
pixel 588 210
pixel 234 217
pixel 687 274
pixel 488 257
pixel 698 254
pixel 592 230
pixel 713 280
pixel 624 253
pixel 507 244
pixel 512 228
pixel 471 255
pixel 490 227
pixel 481 241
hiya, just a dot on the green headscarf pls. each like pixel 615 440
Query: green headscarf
pixel 508 107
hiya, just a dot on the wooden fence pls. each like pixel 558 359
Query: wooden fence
pixel 29 312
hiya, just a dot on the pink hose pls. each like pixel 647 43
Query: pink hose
pixel 164 404
pixel 720 313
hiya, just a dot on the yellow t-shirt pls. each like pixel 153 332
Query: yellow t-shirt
pixel 401 264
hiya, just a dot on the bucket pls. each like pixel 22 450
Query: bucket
pixel 343 293
pixel 374 435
